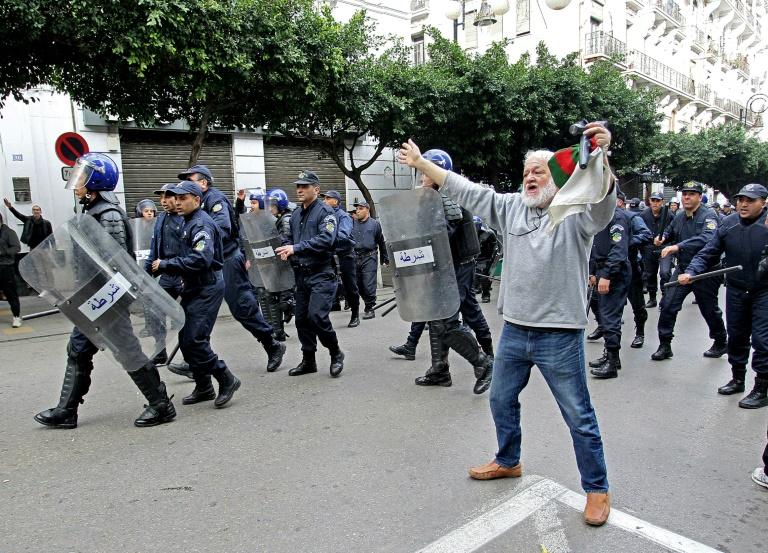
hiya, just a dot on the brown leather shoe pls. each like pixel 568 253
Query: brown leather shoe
pixel 597 509
pixel 492 470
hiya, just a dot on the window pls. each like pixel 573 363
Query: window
pixel 21 189
pixel 595 24
pixel 523 17
pixel 419 53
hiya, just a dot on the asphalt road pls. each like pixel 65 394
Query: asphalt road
pixel 369 461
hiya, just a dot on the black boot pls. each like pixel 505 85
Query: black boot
pixel 639 336
pixel 182 369
pixel 486 344
pixel 651 300
pixel 595 335
pixel 160 409
pixel 203 390
pixel 736 384
pixel 77 381
pixel 438 373
pixel 758 397
pixel 161 358
pixel 337 362
pixel 664 351
pixel 599 361
pixel 276 319
pixel 718 349
pixel 275 352
pixel 354 320
pixel 465 344
pixel 610 368
pixel 308 364
pixel 485 297
pixel 228 385
pixel 407 350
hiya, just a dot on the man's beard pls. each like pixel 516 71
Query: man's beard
pixel 542 198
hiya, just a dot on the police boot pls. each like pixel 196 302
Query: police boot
pixel 354 320
pixel 337 362
pixel 438 373
pixel 465 344
pixel 485 297
pixel 161 358
pixel 664 351
pixel 486 344
pixel 275 352
pixel 276 319
pixel 639 336
pixel 599 361
pixel 308 364
pixel 610 368
pixel 182 369
pixel 203 390
pixel 718 349
pixel 407 350
pixel 595 335
pixel 228 385
pixel 651 300
pixel 736 384
pixel 758 397
pixel 287 308
pixel 77 381
pixel 160 408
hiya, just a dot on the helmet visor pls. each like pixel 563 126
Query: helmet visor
pixel 79 175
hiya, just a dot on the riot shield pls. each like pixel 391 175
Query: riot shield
pixel 142 238
pixel 259 232
pixel 96 284
pixel 417 243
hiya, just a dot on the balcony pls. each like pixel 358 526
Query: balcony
pixel 636 5
pixel 656 72
pixel 704 93
pixel 600 45
pixel 419 5
pixel 671 11
pixel 699 42
pixel 739 63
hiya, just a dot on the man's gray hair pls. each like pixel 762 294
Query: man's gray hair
pixel 538 155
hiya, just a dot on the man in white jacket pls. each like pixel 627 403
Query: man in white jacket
pixel 542 298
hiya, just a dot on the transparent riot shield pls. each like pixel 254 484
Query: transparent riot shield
pixel 142 238
pixel 259 231
pixel 97 285
pixel 417 242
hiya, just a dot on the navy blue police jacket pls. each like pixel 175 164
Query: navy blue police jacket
pixel 201 251
pixel 742 241
pixel 691 234
pixel 344 241
pixel 166 243
pixel 216 204
pixel 369 236
pixel 609 258
pixel 313 235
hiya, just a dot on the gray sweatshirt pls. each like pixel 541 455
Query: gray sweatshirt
pixel 544 279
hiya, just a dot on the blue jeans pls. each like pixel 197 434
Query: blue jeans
pixel 560 358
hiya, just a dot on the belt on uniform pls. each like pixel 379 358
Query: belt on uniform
pixel 203 279
pixel 307 270
pixel 364 253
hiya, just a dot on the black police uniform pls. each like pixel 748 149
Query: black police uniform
pixel 80 350
pixel 313 235
pixel 368 237
pixel 640 236
pixel 652 253
pixel 609 259
pixel 239 293
pixel 199 265
pixel 691 234
pixel 287 297
pixel 746 299
pixel 345 253
pixel 489 252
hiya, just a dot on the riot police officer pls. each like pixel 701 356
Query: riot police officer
pixel 313 234
pixel 238 292
pixel 345 253
pixel 610 270
pixel 691 229
pixel 94 179
pixel 486 260
pixel 656 218
pixel 280 207
pixel 640 235
pixel 367 235
pixel 743 237
pixel 199 265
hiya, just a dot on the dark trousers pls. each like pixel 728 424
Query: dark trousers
pixel 610 308
pixel 651 258
pixel 482 276
pixel 765 456
pixel 241 298
pixel 118 336
pixel 367 267
pixel 8 286
pixel 314 298
pixel 635 296
pixel 201 307
pixel 747 316
pixel 705 292
pixel 348 273
pixel 666 267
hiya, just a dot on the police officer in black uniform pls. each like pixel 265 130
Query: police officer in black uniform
pixel 689 232
pixel 654 219
pixel 280 206
pixel 313 235
pixel 490 248
pixel 368 237
pixel 345 253
pixel 611 272
pixel 639 237
pixel 239 292
pixel 743 237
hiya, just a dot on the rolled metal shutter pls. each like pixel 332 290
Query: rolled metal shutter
pixel 152 158
pixel 285 158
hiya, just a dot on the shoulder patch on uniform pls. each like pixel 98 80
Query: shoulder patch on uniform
pixel 329 223
pixel 616 236
pixel 200 246
pixel 616 228
pixel 202 234
pixel 711 224
pixel 216 208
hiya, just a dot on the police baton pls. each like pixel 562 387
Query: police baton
pixel 41 314
pixel 388 311
pixel 382 304
pixel 172 355
pixel 710 274
pixel 497 279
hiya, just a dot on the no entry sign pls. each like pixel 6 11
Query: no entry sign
pixel 69 147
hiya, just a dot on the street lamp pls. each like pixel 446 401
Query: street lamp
pixel 486 15
pixel 757 103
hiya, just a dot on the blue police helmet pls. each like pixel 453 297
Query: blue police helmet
pixel 478 222
pixel 439 158
pixel 279 198
pixel 259 198
pixel 94 171
pixel 144 204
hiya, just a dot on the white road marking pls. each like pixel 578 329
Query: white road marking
pixel 495 522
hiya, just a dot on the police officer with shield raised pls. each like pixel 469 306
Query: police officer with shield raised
pixel 313 235
pixel 94 179
pixel 239 292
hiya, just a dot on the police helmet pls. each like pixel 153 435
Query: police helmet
pixel 478 222
pixel 279 198
pixel 258 198
pixel 94 171
pixel 144 204
pixel 439 158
